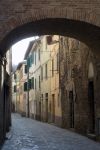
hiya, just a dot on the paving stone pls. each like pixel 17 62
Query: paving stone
pixel 28 134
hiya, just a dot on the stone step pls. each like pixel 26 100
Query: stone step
pixel 91 136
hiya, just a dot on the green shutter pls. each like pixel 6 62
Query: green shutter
pixel 25 86
pixel 14 76
pixel 14 88
pixel 33 57
pixel 33 82
pixel 25 68
pixel 28 62
pixel 29 84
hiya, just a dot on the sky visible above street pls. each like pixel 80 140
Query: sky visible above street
pixel 19 49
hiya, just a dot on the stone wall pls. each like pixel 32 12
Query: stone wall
pixel 5 101
pixel 75 77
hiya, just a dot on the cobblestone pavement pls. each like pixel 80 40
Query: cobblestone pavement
pixel 28 134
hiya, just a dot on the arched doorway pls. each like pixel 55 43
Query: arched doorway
pixel 91 98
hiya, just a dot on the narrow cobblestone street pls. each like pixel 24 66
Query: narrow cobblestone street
pixel 28 134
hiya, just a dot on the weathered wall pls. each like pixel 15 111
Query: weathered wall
pixel 74 76
pixel 5 101
pixel 1 108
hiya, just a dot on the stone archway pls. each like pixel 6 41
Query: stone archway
pixel 85 32
pixel 15 13
pixel 20 19
pixel 80 17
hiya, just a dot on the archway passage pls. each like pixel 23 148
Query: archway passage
pixel 85 32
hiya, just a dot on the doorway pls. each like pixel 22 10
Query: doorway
pixel 53 108
pixel 39 110
pixel 71 100
pixel 46 101
pixel 91 107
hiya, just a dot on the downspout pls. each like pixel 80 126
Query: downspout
pixel 28 113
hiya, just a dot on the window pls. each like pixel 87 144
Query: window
pixel 15 76
pixel 25 69
pixel 39 54
pixel 31 60
pixel 33 82
pixel 25 86
pixel 46 73
pixel 46 96
pixel 29 84
pixel 35 58
pixel 15 88
pixel 39 82
pixel 28 62
pixel 41 73
pixel 49 40
pixel 42 102
pixel 52 67
pixel 57 62
pixel 58 101
pixel 41 97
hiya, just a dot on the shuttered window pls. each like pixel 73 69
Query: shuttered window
pixel 39 82
pixel 29 84
pixel 46 71
pixel 25 86
pixel 32 82
pixel 14 88
pixel 29 61
pixel 25 69
pixel 33 57
pixel 57 62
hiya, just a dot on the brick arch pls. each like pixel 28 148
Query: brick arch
pixel 14 13
pixel 89 14
pixel 85 32
pixel 20 18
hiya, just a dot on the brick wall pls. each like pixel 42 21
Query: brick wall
pixel 15 13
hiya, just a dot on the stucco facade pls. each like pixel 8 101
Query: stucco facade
pixel 55 100
pixel 19 96
pixel 13 92
pixel 42 84
pixel 34 76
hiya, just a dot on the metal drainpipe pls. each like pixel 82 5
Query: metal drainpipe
pixel 59 66
pixel 28 113
pixel 60 86
pixel 15 76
